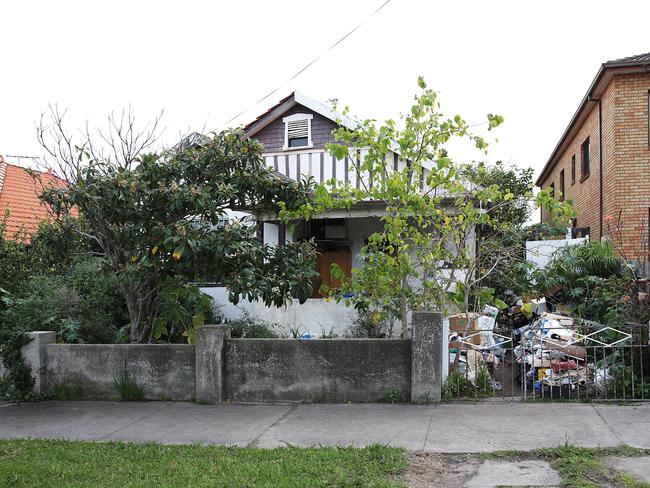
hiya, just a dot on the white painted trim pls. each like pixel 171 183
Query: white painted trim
pixel 295 118
pixel 325 111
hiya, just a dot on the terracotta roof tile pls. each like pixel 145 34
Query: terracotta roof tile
pixel 19 193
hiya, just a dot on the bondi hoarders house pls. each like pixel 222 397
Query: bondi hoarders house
pixel 602 160
pixel 294 133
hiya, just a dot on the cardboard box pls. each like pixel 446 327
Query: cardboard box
pixel 458 322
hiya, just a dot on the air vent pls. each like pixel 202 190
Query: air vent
pixel 298 128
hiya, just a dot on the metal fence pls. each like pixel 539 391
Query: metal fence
pixel 575 360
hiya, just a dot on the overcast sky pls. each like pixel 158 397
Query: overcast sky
pixel 204 62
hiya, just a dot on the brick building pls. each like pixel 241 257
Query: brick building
pixel 602 160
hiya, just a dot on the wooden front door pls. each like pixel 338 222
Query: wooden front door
pixel 342 257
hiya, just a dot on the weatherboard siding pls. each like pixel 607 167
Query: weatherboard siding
pixel 272 136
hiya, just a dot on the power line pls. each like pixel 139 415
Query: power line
pixel 308 65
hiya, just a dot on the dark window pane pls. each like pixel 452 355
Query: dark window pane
pixel 573 169
pixel 585 157
pixel 298 142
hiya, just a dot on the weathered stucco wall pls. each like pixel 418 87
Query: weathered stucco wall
pixel 166 371
pixel 317 370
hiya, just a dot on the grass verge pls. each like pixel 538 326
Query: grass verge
pixel 581 467
pixel 53 463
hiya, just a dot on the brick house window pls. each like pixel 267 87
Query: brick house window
pixel 584 154
pixel 552 187
pixel 297 131
pixel 561 185
pixel 573 169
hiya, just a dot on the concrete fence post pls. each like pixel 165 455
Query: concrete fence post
pixel 426 357
pixel 35 355
pixel 210 342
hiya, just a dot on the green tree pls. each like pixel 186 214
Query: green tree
pixel 433 208
pixel 402 262
pixel 157 219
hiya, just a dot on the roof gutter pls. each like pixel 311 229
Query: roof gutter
pixel 604 68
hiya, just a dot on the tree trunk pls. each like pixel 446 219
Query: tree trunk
pixel 403 303
pixel 139 315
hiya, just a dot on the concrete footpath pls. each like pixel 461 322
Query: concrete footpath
pixel 450 428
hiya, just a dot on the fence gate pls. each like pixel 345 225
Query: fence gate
pixel 551 358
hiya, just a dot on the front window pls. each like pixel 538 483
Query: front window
pixel 297 131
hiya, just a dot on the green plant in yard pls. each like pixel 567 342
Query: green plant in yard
pixel 65 389
pixel 157 219
pixel 249 326
pixel 68 464
pixel 128 389
pixel 17 382
pixel 457 385
pixel 393 396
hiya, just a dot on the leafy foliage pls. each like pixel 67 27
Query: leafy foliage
pixel 17 382
pixel 157 221
pixel 82 304
pixel 371 324
pixel 251 327
pixel 580 270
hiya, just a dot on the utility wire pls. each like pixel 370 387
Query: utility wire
pixel 308 65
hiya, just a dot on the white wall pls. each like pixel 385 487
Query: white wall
pixel 540 253
pixel 316 316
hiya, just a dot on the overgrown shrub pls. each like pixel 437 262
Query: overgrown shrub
pixel 251 327
pixel 458 385
pixel 370 324
pixel 82 304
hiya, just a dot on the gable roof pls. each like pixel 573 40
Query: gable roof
pixel 639 63
pixel 19 193
pixel 290 101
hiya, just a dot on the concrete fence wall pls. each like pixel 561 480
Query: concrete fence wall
pixel 166 371
pixel 323 370
pixel 220 369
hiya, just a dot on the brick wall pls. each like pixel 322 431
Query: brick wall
pixel 626 165
pixel 632 162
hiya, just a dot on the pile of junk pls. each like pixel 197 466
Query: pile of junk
pixel 531 351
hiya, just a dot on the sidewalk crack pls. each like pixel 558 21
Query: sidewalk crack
pixel 426 437
pixel 134 422
pixel 255 441
pixel 616 434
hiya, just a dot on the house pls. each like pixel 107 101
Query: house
pixel 19 198
pixel 294 133
pixel 602 160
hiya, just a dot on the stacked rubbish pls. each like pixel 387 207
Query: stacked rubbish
pixel 555 363
pixel 475 350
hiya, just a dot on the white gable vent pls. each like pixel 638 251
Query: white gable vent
pixel 297 131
